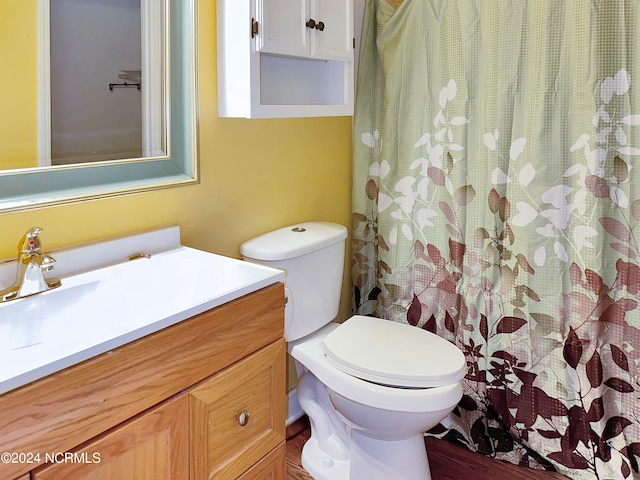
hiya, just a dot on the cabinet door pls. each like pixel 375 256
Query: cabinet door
pixel 238 416
pixel 282 27
pixel 334 41
pixel 153 446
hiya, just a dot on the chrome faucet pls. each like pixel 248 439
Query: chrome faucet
pixel 31 267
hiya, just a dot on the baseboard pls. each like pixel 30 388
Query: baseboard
pixel 294 410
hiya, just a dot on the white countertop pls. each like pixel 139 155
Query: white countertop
pixel 97 310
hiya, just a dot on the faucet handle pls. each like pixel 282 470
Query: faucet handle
pixel 48 263
pixel 30 243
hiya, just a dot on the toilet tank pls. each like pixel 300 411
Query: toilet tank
pixel 312 256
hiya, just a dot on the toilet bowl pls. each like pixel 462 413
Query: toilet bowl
pixel 367 430
pixel 371 387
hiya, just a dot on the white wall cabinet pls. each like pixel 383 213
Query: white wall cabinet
pixel 285 58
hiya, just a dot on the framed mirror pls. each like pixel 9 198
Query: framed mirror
pixel 153 75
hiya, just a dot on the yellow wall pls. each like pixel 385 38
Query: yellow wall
pixel 18 84
pixel 256 175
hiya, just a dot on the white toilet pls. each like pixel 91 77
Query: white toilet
pixel 371 387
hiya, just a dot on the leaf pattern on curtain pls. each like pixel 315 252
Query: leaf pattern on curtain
pixel 530 265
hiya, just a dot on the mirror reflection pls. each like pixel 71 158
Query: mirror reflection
pixel 83 81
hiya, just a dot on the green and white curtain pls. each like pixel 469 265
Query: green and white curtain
pixel 497 202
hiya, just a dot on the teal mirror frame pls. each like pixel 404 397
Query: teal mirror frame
pixel 39 187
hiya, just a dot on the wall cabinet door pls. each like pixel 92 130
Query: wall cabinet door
pixel 282 27
pixel 335 40
pixel 320 29
pixel 153 446
pixel 238 416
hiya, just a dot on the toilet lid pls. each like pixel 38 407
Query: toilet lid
pixel 392 353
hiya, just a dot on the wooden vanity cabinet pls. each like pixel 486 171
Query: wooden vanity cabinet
pixel 166 406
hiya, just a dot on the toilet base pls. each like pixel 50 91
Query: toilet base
pixel 321 466
pixel 370 459
pixel 375 459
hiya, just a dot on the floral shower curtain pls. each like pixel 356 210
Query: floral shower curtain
pixel 497 203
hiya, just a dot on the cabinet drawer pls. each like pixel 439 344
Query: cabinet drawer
pixel 238 415
pixel 271 467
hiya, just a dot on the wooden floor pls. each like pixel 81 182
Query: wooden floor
pixel 447 461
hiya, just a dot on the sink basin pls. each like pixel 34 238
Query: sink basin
pixel 25 323
pixel 101 309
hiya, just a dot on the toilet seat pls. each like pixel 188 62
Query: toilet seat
pixel 393 354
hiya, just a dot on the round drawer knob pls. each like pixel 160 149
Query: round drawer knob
pixel 243 418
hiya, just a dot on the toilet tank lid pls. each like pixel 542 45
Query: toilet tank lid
pixel 293 241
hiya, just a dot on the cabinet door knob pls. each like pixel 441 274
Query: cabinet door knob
pixel 243 418
pixel 311 23
pixel 320 26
